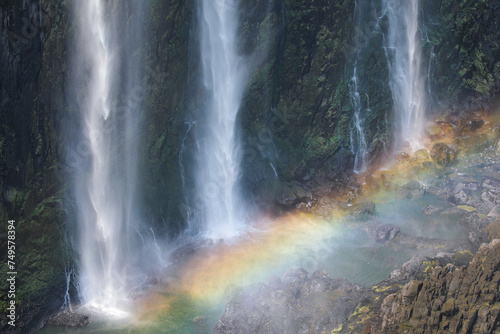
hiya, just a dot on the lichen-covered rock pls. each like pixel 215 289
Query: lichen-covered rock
pixel 464 67
pixel 296 113
pixel 446 293
pixel 450 300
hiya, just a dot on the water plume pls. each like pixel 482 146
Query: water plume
pixel 224 77
pixel 404 55
pixel 107 65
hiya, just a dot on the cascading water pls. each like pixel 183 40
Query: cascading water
pixel 366 26
pixel 224 78
pixel 404 59
pixel 105 185
pixel 357 135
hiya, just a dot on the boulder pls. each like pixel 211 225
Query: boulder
pixel 363 211
pixel 495 211
pixel 491 189
pixel 422 154
pixel 67 318
pixel 460 198
pixel 443 154
pixel 381 232
pixel 450 299
pixel 431 209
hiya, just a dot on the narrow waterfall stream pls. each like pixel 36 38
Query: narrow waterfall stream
pixel 366 29
pixel 358 139
pixel 403 53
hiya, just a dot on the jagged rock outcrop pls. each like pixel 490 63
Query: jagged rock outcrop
pixel 427 295
pixel 450 300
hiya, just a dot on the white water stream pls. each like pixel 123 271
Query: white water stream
pixel 404 55
pixel 224 78
pixel 105 187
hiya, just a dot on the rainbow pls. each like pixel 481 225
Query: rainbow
pixel 266 250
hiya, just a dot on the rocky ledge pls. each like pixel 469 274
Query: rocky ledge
pixel 427 295
pixel 450 300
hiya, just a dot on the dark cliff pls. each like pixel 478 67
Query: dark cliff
pixel 33 54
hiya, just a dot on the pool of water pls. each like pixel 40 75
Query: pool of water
pixel 353 255
pixel 407 215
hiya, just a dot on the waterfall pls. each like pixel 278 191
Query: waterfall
pixel 357 134
pixel 224 78
pixel 107 62
pixel 366 26
pixel 404 59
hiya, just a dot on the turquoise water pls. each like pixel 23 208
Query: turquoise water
pixel 407 215
pixel 355 257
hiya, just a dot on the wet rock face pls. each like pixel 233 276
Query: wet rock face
pixel 32 69
pixel 451 300
pixel 442 154
pixel 296 303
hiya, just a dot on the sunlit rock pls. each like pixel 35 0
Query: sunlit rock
pixel 403 156
pixel 422 154
pixel 494 212
pixel 450 299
